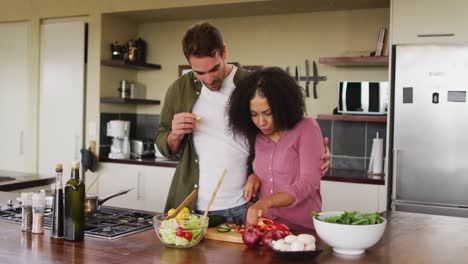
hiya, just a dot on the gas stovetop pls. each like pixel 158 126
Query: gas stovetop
pixel 109 223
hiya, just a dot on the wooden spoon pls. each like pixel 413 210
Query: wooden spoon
pixel 181 206
pixel 213 196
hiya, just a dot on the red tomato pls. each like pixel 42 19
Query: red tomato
pixel 180 231
pixel 188 235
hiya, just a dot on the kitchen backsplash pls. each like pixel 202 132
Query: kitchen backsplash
pixel 351 142
pixel 142 126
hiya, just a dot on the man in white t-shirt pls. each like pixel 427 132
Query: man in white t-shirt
pixel 204 146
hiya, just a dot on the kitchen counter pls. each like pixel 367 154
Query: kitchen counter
pixel 147 161
pixel 339 175
pixel 409 238
pixel 352 176
pixel 12 180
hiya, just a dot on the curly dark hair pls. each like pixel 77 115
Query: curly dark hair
pixel 202 39
pixel 284 95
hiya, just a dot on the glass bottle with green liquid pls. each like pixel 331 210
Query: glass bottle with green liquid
pixel 74 217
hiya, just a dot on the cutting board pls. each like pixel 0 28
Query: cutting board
pixel 233 236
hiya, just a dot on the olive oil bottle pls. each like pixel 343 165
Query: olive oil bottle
pixel 74 217
pixel 56 230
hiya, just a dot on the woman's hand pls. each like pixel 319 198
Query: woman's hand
pixel 326 157
pixel 255 211
pixel 251 187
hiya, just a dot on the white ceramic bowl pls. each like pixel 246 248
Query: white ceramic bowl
pixel 348 239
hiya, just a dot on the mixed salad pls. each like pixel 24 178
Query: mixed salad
pixel 182 231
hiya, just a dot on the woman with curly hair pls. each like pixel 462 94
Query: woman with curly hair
pixel 268 108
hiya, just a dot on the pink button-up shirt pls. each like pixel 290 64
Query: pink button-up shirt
pixel 292 165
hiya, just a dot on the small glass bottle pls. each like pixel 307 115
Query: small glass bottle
pixel 38 213
pixel 56 229
pixel 26 211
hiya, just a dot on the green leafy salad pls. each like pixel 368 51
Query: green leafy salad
pixel 182 233
pixel 352 218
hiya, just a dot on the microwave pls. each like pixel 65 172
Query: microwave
pixel 365 98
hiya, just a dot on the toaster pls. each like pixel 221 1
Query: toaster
pixel 141 147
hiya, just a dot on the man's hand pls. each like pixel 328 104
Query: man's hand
pixel 326 157
pixel 251 187
pixel 182 124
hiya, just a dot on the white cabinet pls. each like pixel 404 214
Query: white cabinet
pixel 154 185
pixel 429 21
pixel 61 94
pixel 14 86
pixel 150 185
pixel 341 196
pixel 116 177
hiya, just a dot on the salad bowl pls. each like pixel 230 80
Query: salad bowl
pixel 349 239
pixel 180 233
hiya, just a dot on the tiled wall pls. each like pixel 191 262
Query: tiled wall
pixel 351 142
pixel 142 126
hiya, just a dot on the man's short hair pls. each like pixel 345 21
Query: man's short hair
pixel 202 39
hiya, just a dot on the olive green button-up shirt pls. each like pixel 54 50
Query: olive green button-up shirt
pixel 180 97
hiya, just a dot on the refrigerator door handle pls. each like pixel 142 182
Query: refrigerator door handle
pixel 395 167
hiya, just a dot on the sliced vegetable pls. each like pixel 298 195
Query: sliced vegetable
pixel 188 235
pixel 223 228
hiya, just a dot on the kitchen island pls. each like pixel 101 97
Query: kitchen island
pixel 409 238
pixel 12 180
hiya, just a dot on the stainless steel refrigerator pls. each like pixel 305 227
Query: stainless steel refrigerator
pixel 429 125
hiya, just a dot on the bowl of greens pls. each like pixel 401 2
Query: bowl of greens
pixel 349 232
pixel 180 232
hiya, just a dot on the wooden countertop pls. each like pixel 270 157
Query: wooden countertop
pixel 12 180
pixel 409 238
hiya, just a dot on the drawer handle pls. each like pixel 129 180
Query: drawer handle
pixel 395 170
pixel 436 35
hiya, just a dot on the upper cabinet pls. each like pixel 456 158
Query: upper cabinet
pixel 429 21
pixel 14 96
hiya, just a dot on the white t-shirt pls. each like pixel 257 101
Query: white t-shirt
pixel 218 150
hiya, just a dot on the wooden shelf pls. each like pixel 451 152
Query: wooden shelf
pixel 355 118
pixel 118 100
pixel 131 64
pixel 355 61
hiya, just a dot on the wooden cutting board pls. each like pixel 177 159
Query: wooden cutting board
pixel 233 236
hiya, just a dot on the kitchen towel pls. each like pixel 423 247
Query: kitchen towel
pixel 376 159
